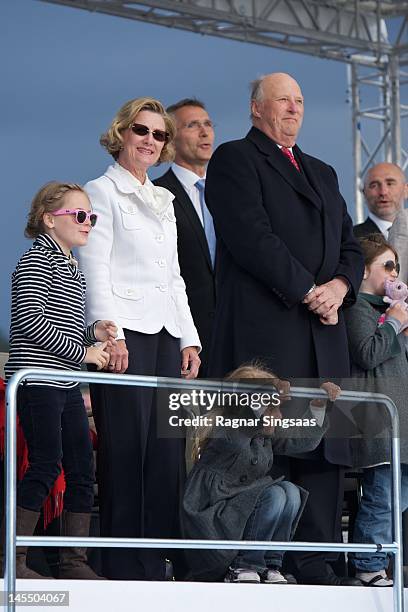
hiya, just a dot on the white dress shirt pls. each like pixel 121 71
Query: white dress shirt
pixel 383 226
pixel 130 261
pixel 188 179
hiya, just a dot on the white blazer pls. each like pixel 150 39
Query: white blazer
pixel 131 263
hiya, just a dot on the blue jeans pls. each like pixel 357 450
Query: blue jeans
pixel 374 517
pixel 56 430
pixel 271 519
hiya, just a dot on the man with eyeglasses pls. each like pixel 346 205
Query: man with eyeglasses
pixel 287 261
pixel 384 191
pixel 196 237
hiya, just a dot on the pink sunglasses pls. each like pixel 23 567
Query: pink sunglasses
pixel 80 215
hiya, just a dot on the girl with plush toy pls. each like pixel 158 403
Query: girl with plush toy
pixel 377 333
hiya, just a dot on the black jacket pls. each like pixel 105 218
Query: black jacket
pixel 195 262
pixel 367 227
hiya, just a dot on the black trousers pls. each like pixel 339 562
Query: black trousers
pixel 56 430
pixel 321 518
pixel 140 474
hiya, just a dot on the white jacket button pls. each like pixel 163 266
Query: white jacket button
pixel 161 262
pixel 160 237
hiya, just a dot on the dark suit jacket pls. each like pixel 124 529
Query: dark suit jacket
pixel 279 231
pixel 195 262
pixel 367 227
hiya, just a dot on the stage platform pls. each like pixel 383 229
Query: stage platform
pixel 124 596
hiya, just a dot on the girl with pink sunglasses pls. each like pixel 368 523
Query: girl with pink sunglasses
pixel 48 331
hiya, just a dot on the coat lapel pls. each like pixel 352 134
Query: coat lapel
pixel 185 203
pixel 275 158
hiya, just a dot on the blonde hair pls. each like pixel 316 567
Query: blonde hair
pixel 112 139
pixel 47 200
pixel 244 374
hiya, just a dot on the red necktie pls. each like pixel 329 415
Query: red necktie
pixel 288 153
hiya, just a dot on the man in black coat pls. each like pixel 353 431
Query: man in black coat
pixel 287 260
pixel 382 192
pixel 195 229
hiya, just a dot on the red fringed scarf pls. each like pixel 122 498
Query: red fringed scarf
pixel 53 505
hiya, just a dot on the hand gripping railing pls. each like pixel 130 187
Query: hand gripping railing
pixel 148 381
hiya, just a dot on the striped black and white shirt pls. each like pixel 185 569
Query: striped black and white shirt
pixel 48 313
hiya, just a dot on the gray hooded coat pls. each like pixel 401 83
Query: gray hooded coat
pixel 225 484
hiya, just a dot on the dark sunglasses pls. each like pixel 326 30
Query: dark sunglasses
pixel 80 215
pixel 143 130
pixel 390 266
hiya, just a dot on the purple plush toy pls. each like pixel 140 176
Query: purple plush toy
pixel 396 292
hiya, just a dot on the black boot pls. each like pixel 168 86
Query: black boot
pixel 73 561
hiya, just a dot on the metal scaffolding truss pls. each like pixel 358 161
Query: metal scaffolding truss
pixel 371 36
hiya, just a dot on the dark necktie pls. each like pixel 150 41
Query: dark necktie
pixel 288 153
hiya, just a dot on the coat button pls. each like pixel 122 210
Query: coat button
pixel 254 460
pixel 243 478
pixel 160 237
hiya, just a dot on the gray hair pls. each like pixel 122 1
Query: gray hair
pixel 257 92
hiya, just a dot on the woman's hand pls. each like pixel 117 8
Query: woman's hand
pixel 118 357
pixel 97 355
pixel 105 330
pixel 190 362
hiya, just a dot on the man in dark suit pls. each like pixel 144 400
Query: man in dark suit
pixel 382 185
pixel 287 260
pixel 195 228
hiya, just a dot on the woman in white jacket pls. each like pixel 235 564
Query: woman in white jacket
pixel 133 278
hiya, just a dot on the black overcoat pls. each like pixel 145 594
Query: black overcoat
pixel 279 231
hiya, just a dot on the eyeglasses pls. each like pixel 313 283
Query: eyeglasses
pixel 390 266
pixel 80 215
pixel 197 125
pixel 143 130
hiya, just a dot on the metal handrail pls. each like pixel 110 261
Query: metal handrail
pixel 11 539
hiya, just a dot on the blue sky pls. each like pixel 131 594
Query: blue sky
pixel 66 72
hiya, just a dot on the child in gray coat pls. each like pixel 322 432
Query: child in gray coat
pixel 230 494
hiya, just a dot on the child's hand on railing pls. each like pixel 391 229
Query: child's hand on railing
pixel 333 391
pixel 283 388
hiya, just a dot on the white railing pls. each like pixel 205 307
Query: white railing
pixel 11 540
